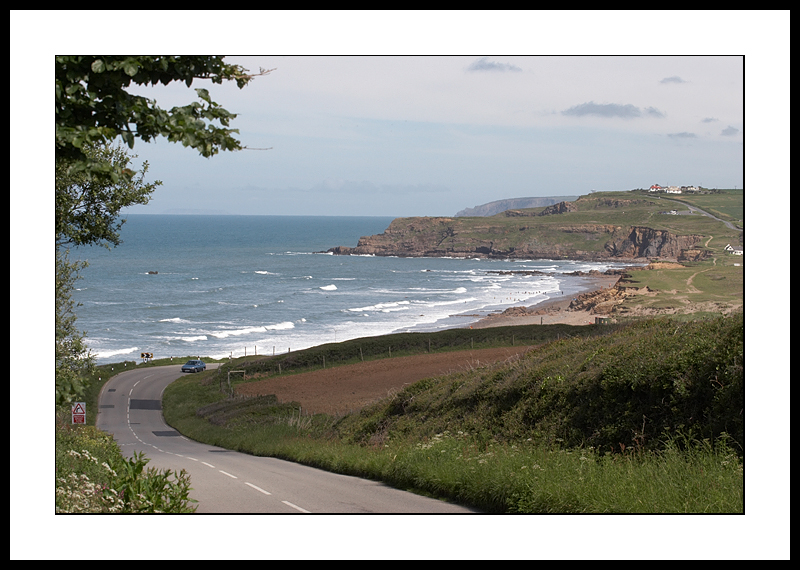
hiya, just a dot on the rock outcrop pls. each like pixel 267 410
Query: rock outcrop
pixel 647 242
pixel 600 302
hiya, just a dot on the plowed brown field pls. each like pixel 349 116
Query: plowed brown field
pixel 347 388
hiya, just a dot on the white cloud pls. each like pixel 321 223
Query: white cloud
pixel 627 111
pixel 483 64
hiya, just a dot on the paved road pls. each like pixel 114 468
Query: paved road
pixel 696 209
pixel 226 481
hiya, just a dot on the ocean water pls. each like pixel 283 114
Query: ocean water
pixel 230 285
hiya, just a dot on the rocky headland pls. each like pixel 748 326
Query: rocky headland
pixel 558 231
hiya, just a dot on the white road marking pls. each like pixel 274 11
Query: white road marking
pixel 257 488
pixel 295 507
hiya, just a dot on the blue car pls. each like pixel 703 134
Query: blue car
pixel 194 366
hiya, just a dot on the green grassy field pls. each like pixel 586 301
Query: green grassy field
pixel 695 290
pixel 725 204
pixel 643 418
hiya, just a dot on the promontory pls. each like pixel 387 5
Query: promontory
pixel 595 227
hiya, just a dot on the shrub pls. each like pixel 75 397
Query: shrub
pixel 92 476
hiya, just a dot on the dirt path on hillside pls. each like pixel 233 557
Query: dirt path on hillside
pixel 346 388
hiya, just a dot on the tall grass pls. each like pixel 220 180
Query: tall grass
pixel 526 478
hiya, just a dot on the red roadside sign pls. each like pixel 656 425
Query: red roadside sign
pixel 79 413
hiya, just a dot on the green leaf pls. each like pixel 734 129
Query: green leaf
pixel 203 94
pixel 98 66
pixel 130 68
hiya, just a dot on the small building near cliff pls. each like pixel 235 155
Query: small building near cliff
pixel 734 250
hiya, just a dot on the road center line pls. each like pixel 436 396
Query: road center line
pixel 228 474
pixel 257 488
pixel 295 507
pixel 204 463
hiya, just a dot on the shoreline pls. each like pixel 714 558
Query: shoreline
pixel 552 311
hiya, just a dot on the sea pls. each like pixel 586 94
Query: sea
pixel 216 286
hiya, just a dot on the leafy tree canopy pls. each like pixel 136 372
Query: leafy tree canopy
pixel 93 107
pixel 88 206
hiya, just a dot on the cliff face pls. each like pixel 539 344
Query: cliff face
pixel 647 242
pixel 410 237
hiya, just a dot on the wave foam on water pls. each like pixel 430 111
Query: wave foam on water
pixel 252 330
pixel 112 353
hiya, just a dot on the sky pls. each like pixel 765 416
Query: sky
pixel 428 113
pixel 431 135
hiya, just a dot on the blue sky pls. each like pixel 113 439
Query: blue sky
pixel 425 135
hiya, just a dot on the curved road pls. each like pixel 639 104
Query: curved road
pixel 225 481
pixel 696 209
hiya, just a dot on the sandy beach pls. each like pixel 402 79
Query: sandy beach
pixel 552 311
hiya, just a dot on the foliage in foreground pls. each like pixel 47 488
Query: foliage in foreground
pixel 92 476
pixel 93 106
pixel 73 361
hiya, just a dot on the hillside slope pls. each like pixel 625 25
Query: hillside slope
pixel 635 386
